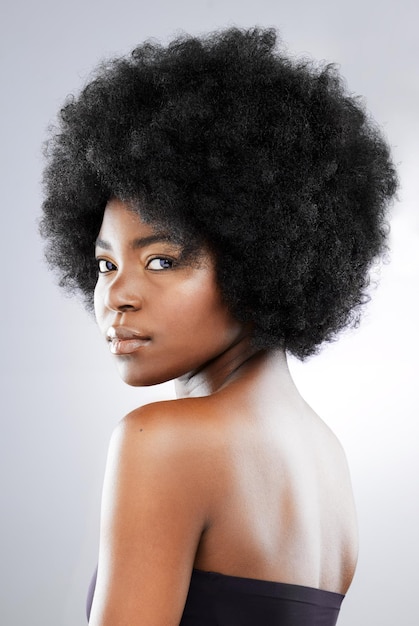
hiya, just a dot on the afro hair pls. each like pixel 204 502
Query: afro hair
pixel 265 158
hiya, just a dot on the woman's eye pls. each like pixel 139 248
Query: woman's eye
pixel 104 266
pixel 160 263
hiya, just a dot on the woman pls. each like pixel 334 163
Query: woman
pixel 221 205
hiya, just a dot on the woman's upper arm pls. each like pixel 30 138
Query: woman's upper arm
pixel 153 514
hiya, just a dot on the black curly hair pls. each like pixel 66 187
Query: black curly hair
pixel 267 159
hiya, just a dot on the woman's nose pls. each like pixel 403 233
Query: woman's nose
pixel 123 293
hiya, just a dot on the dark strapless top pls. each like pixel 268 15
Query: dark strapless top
pixel 220 600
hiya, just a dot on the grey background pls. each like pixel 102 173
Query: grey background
pixel 60 396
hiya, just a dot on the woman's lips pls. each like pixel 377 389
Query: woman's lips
pixel 123 340
pixel 126 346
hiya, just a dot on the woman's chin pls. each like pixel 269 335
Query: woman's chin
pixel 135 378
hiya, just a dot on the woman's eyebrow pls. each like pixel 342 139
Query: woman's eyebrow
pixel 140 242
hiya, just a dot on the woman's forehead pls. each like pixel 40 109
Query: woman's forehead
pixel 122 219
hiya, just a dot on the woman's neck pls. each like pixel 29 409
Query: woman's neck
pixel 239 360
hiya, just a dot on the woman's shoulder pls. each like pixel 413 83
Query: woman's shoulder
pixel 195 415
pixel 182 431
pixel 158 448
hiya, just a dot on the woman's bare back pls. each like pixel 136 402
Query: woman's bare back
pixel 283 507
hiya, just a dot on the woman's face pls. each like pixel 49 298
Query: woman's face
pixel 163 316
